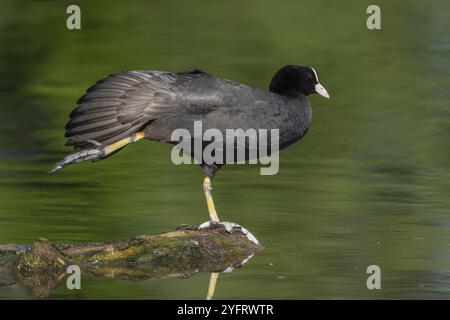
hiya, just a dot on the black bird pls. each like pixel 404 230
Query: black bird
pixel 126 107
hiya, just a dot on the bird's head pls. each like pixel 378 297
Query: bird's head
pixel 293 81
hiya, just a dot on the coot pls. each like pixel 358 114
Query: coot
pixel 126 107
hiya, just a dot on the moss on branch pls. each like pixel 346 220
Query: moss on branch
pixel 183 252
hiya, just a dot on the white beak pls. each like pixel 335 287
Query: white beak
pixel 322 91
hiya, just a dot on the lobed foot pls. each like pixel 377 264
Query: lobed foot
pixel 229 228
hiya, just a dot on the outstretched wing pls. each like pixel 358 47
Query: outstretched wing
pixel 124 103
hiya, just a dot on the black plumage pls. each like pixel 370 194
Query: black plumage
pixel 158 102
pixel 128 106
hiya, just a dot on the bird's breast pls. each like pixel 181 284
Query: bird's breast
pixel 296 121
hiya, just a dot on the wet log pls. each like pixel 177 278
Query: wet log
pixel 183 252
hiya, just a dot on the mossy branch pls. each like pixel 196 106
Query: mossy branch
pixel 182 252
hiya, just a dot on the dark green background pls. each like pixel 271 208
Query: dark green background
pixel 368 185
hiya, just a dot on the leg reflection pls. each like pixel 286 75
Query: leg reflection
pixel 212 285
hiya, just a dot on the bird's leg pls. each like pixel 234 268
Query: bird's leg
pixel 98 152
pixel 212 285
pixel 214 218
pixel 122 143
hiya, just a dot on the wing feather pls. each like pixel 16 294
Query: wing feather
pixel 125 103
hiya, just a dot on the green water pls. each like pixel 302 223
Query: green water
pixel 369 184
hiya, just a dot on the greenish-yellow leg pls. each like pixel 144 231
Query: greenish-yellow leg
pixel 209 200
pixel 214 218
pixel 212 285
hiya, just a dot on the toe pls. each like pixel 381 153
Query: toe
pixel 205 225
pixel 249 235
pixel 228 226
